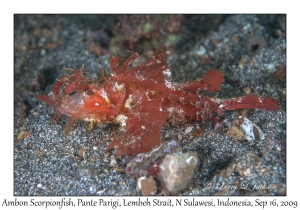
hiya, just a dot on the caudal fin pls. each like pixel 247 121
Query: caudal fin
pixel 250 102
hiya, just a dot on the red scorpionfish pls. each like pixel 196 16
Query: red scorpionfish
pixel 142 100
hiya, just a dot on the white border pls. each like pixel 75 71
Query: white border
pixel 187 6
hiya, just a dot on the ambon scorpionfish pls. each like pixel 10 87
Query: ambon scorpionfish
pixel 141 100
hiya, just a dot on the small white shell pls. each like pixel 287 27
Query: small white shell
pixel 251 130
pixel 247 128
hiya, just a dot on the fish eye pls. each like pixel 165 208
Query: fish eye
pixel 72 93
pixel 90 92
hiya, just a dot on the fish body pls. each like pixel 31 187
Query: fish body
pixel 141 100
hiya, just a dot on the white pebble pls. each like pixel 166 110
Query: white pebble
pixel 177 170
pixel 188 129
pixel 201 51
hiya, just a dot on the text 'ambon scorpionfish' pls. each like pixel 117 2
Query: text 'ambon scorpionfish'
pixel 141 100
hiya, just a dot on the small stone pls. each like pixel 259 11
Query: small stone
pixel 113 162
pixel 247 90
pixel 146 185
pixel 43 52
pixel 271 67
pixel 241 63
pixel 236 39
pixel 81 152
pixel 264 171
pixel 36 151
pixel 22 135
pixel 235 133
pixel 189 129
pixel 96 49
pixel 92 189
pixel 177 170
pixel 252 62
pixel 198 132
pixel 118 168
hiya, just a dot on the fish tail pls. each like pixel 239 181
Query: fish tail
pixel 250 102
